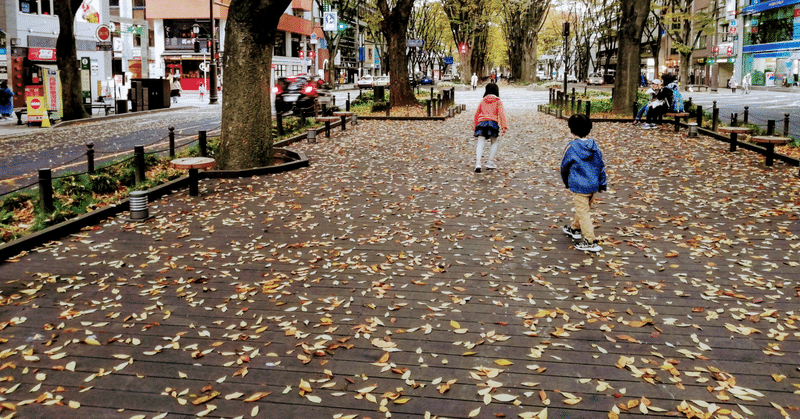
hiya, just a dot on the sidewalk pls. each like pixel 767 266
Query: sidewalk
pixel 9 127
pixel 388 278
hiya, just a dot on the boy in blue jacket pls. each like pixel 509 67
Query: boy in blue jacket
pixel 584 173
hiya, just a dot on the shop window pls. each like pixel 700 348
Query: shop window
pixel 770 26
pixel 113 3
pixel 47 7
pixel 29 6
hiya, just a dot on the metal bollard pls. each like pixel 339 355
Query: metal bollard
pixel 344 123
pixel 771 127
pixel 138 163
pixel 90 158
pixel 46 190
pixel 279 119
pixel 746 114
pixel 202 143
pixel 171 142
pixel 312 135
pixel 786 125
pixel 588 109
pixel 734 141
pixel 692 129
pixel 714 116
pixel 734 119
pixel 699 115
pixel 138 205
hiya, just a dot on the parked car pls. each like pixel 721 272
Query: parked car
pixel 541 75
pixel 571 78
pixel 425 80
pixel 595 78
pixel 380 81
pixel 365 82
pixel 447 77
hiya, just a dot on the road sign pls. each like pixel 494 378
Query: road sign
pixel 203 67
pixel 415 43
pixel 330 21
pixel 448 60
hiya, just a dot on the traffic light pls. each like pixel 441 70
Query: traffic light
pixel 462 48
pixel 196 46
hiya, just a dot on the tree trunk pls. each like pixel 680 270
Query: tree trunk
pixel 67 61
pixel 246 110
pixel 633 16
pixel 395 28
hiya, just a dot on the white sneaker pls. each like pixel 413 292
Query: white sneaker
pixel 491 165
pixel 588 246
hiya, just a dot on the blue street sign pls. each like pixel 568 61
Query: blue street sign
pixel 448 60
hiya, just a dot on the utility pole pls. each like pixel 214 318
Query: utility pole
pixel 212 83
pixel 566 54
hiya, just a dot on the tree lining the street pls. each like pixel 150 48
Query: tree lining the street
pixel 428 22
pixel 246 138
pixel 633 15
pixel 522 21
pixel 67 60
pixel 469 24
pixel 394 26
pixel 685 26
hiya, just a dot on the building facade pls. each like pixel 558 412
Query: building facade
pixel 771 42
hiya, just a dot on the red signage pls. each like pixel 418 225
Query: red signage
pixel 36 103
pixel 42 54
pixel 103 33
pixel 796 12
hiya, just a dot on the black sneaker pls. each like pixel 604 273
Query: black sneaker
pixel 477 169
pixel 588 246
pixel 569 231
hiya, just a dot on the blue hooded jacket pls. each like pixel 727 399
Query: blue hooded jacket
pixel 582 167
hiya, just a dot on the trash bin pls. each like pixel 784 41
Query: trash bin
pixel 122 107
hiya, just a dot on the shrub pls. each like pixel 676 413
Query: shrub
pixel 103 183
pixel 17 201
pixel 380 106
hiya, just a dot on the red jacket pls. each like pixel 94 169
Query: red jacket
pixel 491 109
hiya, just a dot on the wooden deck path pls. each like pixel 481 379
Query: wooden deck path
pixel 388 280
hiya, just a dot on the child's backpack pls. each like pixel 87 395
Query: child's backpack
pixel 677 98
pixel 4 97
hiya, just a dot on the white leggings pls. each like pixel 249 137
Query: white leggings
pixel 479 149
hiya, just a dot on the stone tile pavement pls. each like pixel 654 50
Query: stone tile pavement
pixel 389 280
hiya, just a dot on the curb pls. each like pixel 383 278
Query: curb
pixel 26 243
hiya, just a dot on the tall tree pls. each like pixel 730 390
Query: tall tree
pixel 395 29
pixel 67 60
pixel 631 25
pixel 246 110
pixel 685 27
pixel 522 22
pixel 469 25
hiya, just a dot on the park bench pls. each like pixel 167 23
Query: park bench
pixel 734 133
pixel 697 87
pixel 328 120
pixel 676 116
pixel 107 107
pixel 769 143
pixel 344 115
pixel 193 164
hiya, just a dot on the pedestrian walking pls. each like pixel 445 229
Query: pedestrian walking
pixel 474 81
pixel 746 83
pixel 6 103
pixel 584 174
pixel 202 90
pixel 175 89
pixel 490 120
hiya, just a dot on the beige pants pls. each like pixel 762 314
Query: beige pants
pixel 583 217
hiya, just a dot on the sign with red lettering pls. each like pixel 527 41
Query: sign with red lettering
pixel 42 54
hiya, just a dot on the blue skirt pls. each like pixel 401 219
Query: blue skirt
pixel 487 129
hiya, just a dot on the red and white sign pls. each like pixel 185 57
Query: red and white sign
pixel 36 103
pixel 42 54
pixel 103 33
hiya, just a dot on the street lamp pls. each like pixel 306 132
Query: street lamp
pixel 212 85
pixel 566 55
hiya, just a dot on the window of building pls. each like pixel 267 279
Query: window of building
pixel 280 44
pixel 138 4
pixel 295 45
pixel 113 3
pixel 29 6
pixel 770 26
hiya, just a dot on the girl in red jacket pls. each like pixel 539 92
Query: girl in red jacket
pixel 490 120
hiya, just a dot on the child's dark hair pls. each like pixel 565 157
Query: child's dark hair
pixel 580 125
pixel 492 89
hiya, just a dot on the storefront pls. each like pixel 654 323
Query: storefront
pixel 771 49
pixel 192 69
